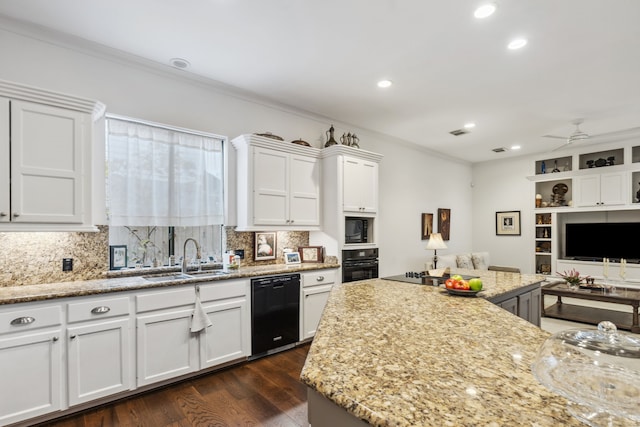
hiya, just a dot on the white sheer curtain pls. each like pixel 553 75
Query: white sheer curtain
pixel 163 176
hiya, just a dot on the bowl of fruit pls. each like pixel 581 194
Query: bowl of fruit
pixel 456 285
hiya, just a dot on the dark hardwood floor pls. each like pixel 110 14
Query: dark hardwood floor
pixel 263 392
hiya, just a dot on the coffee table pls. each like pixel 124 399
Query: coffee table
pixel 592 315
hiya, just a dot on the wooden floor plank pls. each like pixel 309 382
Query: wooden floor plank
pixel 264 392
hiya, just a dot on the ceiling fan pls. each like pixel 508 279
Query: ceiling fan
pixel 578 135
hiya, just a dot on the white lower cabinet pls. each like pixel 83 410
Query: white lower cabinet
pixel 30 361
pixel 98 348
pixel 166 348
pixel 316 287
pixel 226 304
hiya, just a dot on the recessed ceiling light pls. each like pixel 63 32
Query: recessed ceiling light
pixel 385 83
pixel 180 63
pixel 485 11
pixel 515 147
pixel 469 125
pixel 517 44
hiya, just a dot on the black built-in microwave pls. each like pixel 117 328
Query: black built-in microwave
pixel 356 230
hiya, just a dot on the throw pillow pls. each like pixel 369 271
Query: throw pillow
pixel 464 261
pixel 480 260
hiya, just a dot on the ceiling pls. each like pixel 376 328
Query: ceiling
pixel 447 67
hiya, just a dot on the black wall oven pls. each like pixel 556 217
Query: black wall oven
pixel 359 264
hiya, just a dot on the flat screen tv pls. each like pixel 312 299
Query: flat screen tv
pixel 594 241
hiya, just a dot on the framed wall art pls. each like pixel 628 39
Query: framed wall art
pixel 444 223
pixel 117 257
pixel 427 225
pixel 265 246
pixel 311 253
pixel 508 223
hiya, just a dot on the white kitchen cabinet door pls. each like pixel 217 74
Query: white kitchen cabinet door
pixel 314 300
pixel 270 187
pixel 304 202
pixel 99 360
pixel 5 161
pixel 48 148
pixel 360 185
pixel 228 338
pixel 31 382
pixel 166 347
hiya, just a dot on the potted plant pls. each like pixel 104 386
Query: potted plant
pixel 572 277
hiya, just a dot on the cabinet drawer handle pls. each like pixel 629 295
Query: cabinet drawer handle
pixel 320 278
pixel 15 215
pixel 3 214
pixel 72 337
pixel 100 310
pixel 26 320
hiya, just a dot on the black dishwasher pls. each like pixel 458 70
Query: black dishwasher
pixel 275 308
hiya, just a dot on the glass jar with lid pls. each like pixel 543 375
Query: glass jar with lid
pixel 597 370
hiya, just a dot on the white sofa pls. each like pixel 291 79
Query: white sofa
pixel 472 260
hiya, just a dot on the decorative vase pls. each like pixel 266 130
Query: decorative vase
pixel 330 139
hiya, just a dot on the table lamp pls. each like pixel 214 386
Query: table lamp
pixel 435 243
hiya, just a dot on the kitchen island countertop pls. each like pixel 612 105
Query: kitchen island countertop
pixel 134 279
pixel 398 354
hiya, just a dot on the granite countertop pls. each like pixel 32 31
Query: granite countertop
pixel 400 354
pixel 134 279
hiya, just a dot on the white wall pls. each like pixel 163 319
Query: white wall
pixel 501 185
pixel 412 181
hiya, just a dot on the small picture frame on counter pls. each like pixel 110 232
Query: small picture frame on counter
pixel 311 253
pixel 117 257
pixel 292 258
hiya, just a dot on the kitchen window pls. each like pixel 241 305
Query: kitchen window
pixel 164 184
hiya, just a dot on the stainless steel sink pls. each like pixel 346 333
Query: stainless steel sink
pixel 208 273
pixel 167 277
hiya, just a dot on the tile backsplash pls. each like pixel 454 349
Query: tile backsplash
pixel 34 258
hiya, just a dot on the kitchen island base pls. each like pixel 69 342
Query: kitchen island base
pixel 324 413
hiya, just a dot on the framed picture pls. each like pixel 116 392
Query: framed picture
pixel 265 246
pixel 444 223
pixel 508 223
pixel 117 257
pixel 427 225
pixel 311 253
pixel 291 258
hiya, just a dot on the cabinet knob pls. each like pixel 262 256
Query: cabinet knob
pixel 54 339
pixel 320 278
pixel 72 337
pixel 16 215
pixel 3 214
pixel 25 320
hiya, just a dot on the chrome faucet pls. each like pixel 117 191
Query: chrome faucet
pixel 184 254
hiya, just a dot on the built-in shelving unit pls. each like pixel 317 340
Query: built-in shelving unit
pixel 555 193
pixel 543 242
pixel 601 159
pixel 635 187
pixel 560 164
pixel 593 185
pixel 635 154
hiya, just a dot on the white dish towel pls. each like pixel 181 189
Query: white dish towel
pixel 199 318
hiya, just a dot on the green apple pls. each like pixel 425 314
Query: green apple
pixel 475 284
pixel 456 277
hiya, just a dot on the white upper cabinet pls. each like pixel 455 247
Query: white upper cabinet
pixel 46 160
pixel 360 185
pixel 607 189
pixel 278 185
